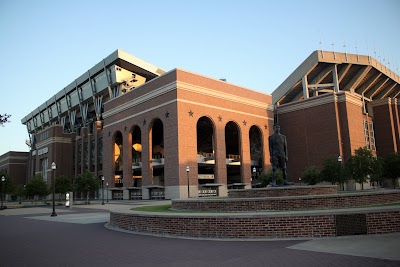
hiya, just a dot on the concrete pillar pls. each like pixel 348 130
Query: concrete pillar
pixel 305 87
pixel 335 78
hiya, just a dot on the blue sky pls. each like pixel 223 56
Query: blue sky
pixel 45 45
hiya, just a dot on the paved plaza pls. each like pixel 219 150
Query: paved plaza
pixel 78 237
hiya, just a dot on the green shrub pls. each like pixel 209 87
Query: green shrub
pixel 311 175
pixel 266 178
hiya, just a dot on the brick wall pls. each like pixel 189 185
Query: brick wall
pixel 284 191
pixel 227 226
pixel 250 226
pixel 383 222
pixel 289 203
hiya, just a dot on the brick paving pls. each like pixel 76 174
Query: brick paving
pixel 30 242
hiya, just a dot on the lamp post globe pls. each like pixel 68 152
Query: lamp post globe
pixel 53 167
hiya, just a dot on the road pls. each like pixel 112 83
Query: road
pixel 78 237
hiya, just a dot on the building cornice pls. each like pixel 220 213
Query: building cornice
pixel 52 140
pixel 177 85
pixel 308 103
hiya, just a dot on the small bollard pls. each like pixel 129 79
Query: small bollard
pixel 67 200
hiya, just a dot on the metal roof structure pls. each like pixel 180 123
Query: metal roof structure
pixel 327 71
pixel 93 83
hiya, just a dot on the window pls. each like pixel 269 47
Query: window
pixel 43 168
pixel 79 155
pixel 86 155
pixel 372 135
pixel 92 160
pixel 366 134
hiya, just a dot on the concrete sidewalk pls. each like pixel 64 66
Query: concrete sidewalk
pixel 374 246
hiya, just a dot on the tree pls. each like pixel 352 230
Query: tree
pixel 391 167
pixel 311 175
pixel 87 182
pixel 4 118
pixel 63 185
pixel 362 165
pixel 9 184
pixel 266 178
pixel 37 187
pixel 19 191
pixel 333 172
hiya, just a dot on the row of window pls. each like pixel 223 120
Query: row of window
pixel 89 154
pixel 369 135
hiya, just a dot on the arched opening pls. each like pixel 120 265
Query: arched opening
pixel 118 159
pixel 157 159
pixel 205 152
pixel 136 156
pixel 256 152
pixel 232 143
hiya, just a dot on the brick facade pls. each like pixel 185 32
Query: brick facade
pixel 15 165
pixel 179 99
pixel 334 122
pixel 387 126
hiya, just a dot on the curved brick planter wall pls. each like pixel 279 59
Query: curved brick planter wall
pixel 290 203
pixel 283 191
pixel 261 225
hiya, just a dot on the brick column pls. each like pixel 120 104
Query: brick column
pixel 245 159
pixel 146 161
pixel 127 158
pixel 220 159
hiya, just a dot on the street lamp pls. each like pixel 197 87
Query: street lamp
pixel 107 191
pixel 54 167
pixel 339 159
pixel 3 179
pixel 254 172
pixel 187 173
pixel 102 187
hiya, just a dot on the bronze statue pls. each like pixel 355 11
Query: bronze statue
pixel 278 154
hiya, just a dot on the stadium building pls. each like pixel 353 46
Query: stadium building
pixel 155 134
pixel 152 134
pixel 334 103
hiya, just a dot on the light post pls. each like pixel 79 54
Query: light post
pixel 187 173
pixel 3 179
pixel 107 191
pixel 300 180
pixel 102 187
pixel 54 167
pixel 254 173
pixel 339 159
pixel 24 194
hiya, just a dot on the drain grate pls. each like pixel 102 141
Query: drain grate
pixel 353 224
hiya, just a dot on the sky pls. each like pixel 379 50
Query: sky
pixel 45 45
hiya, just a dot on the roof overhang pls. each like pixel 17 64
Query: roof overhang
pixel 358 74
